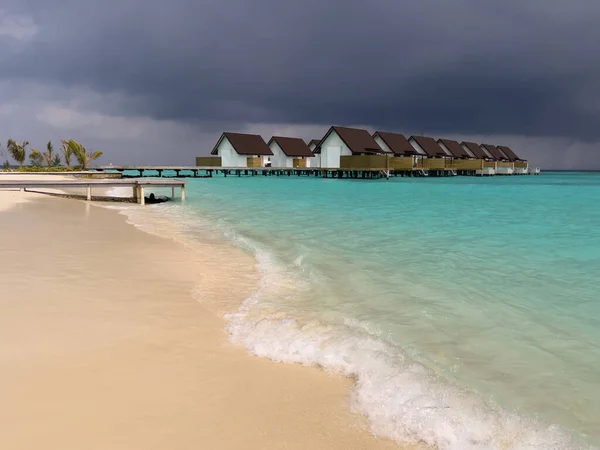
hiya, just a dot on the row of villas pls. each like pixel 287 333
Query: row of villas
pixel 357 149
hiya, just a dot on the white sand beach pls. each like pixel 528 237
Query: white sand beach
pixel 102 345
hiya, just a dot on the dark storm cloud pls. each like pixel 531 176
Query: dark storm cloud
pixel 467 66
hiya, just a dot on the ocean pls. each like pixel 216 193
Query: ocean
pixel 467 310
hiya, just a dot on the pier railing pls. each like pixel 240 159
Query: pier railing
pixel 137 186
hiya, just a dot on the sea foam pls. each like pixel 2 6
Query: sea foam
pixel 403 399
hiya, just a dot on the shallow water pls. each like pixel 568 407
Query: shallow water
pixel 467 309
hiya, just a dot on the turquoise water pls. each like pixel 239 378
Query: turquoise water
pixel 467 309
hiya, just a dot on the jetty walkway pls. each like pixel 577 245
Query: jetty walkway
pixel 210 171
pixel 137 186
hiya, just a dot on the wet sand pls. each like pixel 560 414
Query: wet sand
pixel 102 345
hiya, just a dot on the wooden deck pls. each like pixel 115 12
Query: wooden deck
pixel 137 186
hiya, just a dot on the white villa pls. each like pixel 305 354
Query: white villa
pixel 354 149
pixel 315 160
pixel 521 165
pixel 427 146
pixel 289 152
pixel 342 141
pixel 242 150
pixel 454 149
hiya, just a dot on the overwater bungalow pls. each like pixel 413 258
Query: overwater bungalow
pixel 240 150
pixel 404 156
pixel 289 152
pixel 313 144
pixel 454 148
pixel 521 166
pixel 315 160
pixel 357 154
pixel 435 156
pixel 350 148
pixel 503 165
pixel 474 149
pixel 488 165
pixel 463 158
pixel 497 155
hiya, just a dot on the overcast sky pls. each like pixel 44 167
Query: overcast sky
pixel 157 81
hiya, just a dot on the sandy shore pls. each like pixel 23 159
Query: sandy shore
pixel 102 345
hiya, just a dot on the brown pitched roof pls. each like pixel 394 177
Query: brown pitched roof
pixel 292 146
pixel 455 148
pixel 493 151
pixel 508 152
pixel 358 141
pixel 476 150
pixel 245 144
pixel 397 143
pixel 431 147
pixel 314 141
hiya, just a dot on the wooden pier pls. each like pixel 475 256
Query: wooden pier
pixel 210 171
pixel 137 185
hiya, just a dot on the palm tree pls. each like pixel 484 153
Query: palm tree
pixel 17 151
pixel 81 154
pixel 36 157
pixel 67 152
pixel 51 159
pixel 55 160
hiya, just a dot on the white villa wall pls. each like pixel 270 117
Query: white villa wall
pixel 417 147
pixel 279 159
pixel 314 161
pixel 331 149
pixel 468 150
pixel 382 144
pixel 489 155
pixel 422 153
pixel 486 171
pixel 446 151
pixel 229 157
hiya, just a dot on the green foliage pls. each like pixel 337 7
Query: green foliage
pixel 36 158
pixel 45 169
pixel 55 162
pixel 48 161
pixel 66 151
pixel 51 159
pixel 17 151
pixel 81 154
